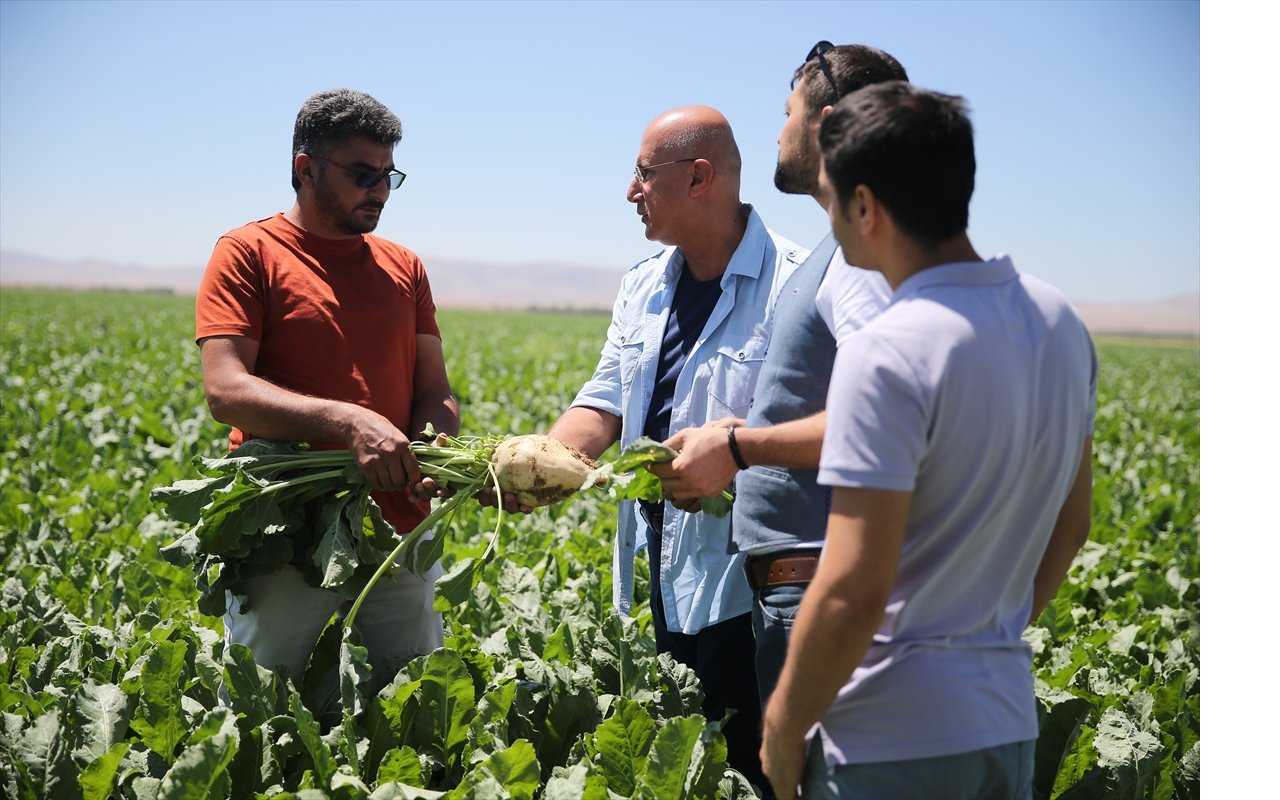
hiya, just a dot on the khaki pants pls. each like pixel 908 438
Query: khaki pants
pixel 284 616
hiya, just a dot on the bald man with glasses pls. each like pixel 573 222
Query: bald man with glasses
pixel 690 328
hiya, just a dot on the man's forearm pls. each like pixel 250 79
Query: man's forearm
pixel 830 639
pixel 843 606
pixel 841 611
pixel 588 429
pixel 264 410
pixel 439 410
pixel 793 445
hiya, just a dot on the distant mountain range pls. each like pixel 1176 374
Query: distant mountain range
pixel 469 284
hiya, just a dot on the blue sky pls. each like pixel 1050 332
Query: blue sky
pixel 139 132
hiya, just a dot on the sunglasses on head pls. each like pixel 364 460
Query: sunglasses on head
pixel 819 52
pixel 368 178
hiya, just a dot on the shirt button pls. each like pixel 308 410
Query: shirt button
pixel 741 356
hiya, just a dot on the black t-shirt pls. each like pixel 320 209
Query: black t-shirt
pixel 690 309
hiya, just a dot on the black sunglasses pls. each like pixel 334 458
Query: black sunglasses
pixel 819 52
pixel 368 178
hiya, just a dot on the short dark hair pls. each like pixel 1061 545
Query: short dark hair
pixel 912 148
pixel 853 66
pixel 330 119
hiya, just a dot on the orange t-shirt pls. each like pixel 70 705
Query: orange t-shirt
pixel 333 318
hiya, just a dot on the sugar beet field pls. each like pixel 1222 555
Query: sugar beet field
pixel 112 676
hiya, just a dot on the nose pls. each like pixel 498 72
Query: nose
pixel 633 190
pixel 381 190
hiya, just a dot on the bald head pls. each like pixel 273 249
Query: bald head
pixel 696 132
pixel 685 187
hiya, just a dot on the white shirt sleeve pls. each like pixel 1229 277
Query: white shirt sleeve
pixel 877 418
pixel 850 297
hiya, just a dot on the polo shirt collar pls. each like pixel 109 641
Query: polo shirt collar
pixel 967 273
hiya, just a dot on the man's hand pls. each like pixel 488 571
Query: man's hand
pixel 704 467
pixel 489 497
pixel 381 450
pixel 782 758
pixel 426 488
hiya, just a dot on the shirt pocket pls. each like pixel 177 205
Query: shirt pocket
pixel 732 381
pixel 630 349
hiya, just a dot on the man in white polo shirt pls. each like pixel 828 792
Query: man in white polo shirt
pixel 958 446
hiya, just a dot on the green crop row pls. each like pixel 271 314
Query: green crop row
pixel 112 677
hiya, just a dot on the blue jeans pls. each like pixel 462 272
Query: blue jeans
pixel 772 616
pixel 1003 772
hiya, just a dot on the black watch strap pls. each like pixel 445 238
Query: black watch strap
pixel 735 452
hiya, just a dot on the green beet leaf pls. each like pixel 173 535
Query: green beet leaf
pixel 201 770
pixel 403 791
pixel 513 772
pixel 629 481
pixel 322 759
pixel 576 782
pixel 184 500
pixel 254 691
pixel 101 712
pixel 354 673
pixel 335 554
pixel 321 689
pixel 620 746
pixel 455 587
pixel 44 755
pixel 1060 726
pixel 1129 753
pixel 687 760
pixel 401 765
pixel 98 779
pixel 159 719
pixel 437 714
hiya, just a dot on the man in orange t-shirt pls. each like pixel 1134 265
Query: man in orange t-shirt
pixel 312 329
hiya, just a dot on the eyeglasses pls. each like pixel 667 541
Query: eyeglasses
pixel 368 178
pixel 819 52
pixel 642 173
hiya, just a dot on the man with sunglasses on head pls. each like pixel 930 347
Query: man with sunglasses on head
pixel 690 329
pixel 958 446
pixel 311 329
pixel 780 511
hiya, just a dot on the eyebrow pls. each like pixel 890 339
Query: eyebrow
pixel 365 165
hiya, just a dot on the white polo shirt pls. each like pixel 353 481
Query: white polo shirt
pixel 975 391
pixel 849 297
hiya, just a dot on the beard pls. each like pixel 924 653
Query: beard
pixel 344 219
pixel 799 175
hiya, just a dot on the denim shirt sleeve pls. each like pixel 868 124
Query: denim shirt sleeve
pixel 611 389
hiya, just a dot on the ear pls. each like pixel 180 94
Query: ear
pixel 701 177
pixel 824 112
pixel 304 166
pixel 866 210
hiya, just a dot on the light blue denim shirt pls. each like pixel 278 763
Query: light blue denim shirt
pixel 702 583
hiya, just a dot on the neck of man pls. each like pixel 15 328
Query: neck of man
pixel 820 197
pixel 908 257
pixel 714 241
pixel 305 216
